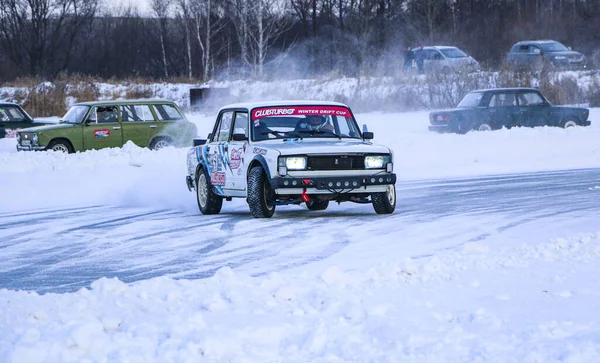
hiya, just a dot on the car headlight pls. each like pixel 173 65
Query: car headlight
pixel 296 163
pixel 560 57
pixel 35 139
pixel 375 161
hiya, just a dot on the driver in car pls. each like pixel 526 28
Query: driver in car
pixel 314 123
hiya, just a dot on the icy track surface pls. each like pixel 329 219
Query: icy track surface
pixel 492 255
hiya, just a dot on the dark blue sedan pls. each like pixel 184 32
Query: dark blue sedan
pixel 492 109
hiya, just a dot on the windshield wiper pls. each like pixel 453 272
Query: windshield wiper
pixel 321 132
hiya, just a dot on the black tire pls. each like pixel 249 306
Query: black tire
pixel 60 145
pixel 317 204
pixel 569 122
pixel 160 142
pixel 483 126
pixel 260 195
pixel 208 202
pixel 385 203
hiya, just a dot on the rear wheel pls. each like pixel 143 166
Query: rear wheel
pixel 208 201
pixel 60 145
pixel 316 204
pixel 160 143
pixel 260 195
pixel 385 203
pixel 483 127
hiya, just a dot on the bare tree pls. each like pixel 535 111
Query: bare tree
pixel 161 8
pixel 40 35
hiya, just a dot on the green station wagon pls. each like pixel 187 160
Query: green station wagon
pixel 95 125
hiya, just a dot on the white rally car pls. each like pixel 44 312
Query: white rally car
pixel 290 152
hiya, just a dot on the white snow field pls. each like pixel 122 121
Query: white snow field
pixel 492 255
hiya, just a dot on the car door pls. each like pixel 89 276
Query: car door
pixel 218 164
pixel 237 150
pixel 138 123
pixel 102 128
pixel 503 110
pixel 433 60
pixel 535 111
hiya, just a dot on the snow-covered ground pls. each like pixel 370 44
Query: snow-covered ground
pixel 525 295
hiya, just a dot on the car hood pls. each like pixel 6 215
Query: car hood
pixel 566 53
pixel 48 127
pixel 46 120
pixel 286 147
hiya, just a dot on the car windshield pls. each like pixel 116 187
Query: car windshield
pixel 471 100
pixel 453 53
pixel 299 122
pixel 75 114
pixel 554 47
pixel 10 113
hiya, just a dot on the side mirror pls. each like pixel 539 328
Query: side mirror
pixel 199 142
pixel 239 137
pixel 367 135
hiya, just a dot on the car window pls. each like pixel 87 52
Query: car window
pixel 523 49
pixel 136 113
pixel 103 115
pixel 167 112
pixel 11 114
pixel 554 47
pixel 76 114
pixel 453 53
pixel 530 99
pixel 503 100
pixel 240 125
pixel 224 127
pixel 472 99
pixel 432 54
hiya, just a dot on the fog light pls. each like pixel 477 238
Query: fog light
pixel 347 184
pixel 381 180
pixel 338 184
pixel 286 183
pixel 330 184
pixel 355 183
pixel 294 182
pixel 372 180
pixel 389 179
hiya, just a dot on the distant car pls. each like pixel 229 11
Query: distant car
pixel 14 118
pixel 492 109
pixel 446 59
pixel 290 152
pixel 95 125
pixel 544 54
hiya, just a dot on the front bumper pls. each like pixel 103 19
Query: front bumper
pixel 30 148
pixel 358 183
pixel 586 123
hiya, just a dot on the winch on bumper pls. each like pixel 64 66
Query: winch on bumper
pixel 322 185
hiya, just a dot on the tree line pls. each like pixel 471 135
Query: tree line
pixel 200 40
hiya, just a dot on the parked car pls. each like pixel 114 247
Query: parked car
pixel 96 125
pixel 290 152
pixel 492 109
pixel 446 59
pixel 13 118
pixel 544 54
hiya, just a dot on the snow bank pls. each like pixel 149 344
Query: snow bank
pixel 521 304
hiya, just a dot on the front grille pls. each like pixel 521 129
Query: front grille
pixel 336 162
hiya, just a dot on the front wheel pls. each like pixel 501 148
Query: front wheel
pixel 208 201
pixel 61 146
pixel 260 195
pixel 569 123
pixel 385 203
pixel 160 143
